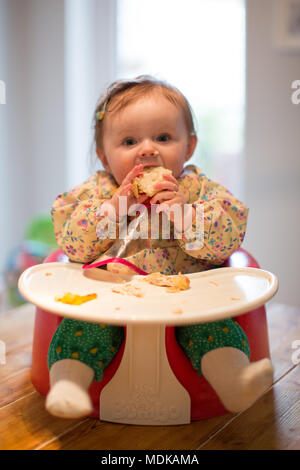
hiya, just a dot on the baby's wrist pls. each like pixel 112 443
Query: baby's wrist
pixel 107 209
pixel 185 230
pixel 188 216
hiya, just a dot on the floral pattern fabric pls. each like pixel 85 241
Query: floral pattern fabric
pixel 75 220
pixel 75 216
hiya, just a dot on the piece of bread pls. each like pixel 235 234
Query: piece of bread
pixel 144 183
pixel 174 283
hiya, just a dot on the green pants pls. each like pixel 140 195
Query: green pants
pixel 96 344
pixel 197 340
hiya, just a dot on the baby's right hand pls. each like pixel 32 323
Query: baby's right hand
pixel 126 190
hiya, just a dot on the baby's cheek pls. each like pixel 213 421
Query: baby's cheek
pixel 119 174
pixel 177 169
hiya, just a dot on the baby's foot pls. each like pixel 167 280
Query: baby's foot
pixel 68 396
pixel 237 382
pixel 248 384
pixel 68 399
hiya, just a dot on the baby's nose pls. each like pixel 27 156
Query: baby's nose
pixel 148 149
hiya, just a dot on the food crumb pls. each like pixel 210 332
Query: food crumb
pixel 178 311
pixel 48 274
pixel 214 283
pixel 75 299
pixel 128 289
pixel 235 298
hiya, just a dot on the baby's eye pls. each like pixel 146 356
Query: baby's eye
pixel 129 141
pixel 163 138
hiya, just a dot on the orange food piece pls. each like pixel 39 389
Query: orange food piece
pixel 177 312
pixel 75 299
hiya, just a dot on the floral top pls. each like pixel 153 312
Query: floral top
pixel 75 216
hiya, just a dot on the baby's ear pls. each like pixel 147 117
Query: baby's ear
pixel 103 159
pixel 191 146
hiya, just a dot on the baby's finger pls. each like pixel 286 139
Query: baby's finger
pixel 166 185
pixel 172 208
pixel 125 190
pixel 142 199
pixel 133 173
pixel 162 196
pixel 171 202
pixel 168 177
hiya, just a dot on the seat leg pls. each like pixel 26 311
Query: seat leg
pixel 144 389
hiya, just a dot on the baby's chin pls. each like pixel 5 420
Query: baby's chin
pixel 176 173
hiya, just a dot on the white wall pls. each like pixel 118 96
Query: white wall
pixel 89 68
pixel 45 69
pixel 55 58
pixel 32 120
pixel 272 167
pixel 3 133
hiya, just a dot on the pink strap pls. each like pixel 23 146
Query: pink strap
pixel 120 260
pixel 115 260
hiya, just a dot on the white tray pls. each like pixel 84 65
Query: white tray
pixel 213 295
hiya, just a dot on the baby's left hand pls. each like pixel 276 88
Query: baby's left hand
pixel 169 195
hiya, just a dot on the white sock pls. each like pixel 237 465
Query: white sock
pixel 68 396
pixel 237 382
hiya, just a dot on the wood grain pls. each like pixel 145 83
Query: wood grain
pixel 271 423
pixel 284 328
pixel 98 435
pixel 278 426
pixel 25 423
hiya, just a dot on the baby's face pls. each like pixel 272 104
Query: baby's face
pixel 151 131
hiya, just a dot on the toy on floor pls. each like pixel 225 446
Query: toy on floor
pixel 39 241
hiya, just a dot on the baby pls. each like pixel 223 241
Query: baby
pixel 140 123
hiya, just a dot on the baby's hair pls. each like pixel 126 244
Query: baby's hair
pixel 121 93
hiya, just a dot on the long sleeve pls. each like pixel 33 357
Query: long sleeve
pixel 75 219
pixel 224 219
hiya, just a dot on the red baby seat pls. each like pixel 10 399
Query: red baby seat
pixel 204 401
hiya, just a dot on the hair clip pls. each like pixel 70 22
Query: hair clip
pixel 100 114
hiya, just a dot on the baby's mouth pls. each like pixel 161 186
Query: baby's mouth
pixel 149 162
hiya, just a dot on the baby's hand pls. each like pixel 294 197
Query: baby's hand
pixel 169 195
pixel 126 190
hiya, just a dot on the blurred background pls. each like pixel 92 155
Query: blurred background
pixel 235 60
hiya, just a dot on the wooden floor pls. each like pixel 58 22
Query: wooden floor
pixel 273 422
